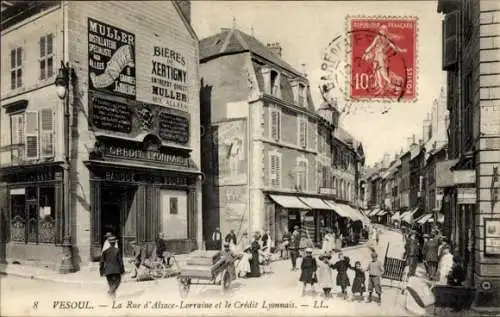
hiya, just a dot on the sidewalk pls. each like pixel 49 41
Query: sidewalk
pixel 90 274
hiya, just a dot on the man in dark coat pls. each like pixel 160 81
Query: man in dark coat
pixel 217 240
pixel 431 255
pixel 231 237
pixel 411 253
pixel 112 267
pixel 294 247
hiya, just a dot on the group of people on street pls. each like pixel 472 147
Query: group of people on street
pixel 320 271
pixel 440 264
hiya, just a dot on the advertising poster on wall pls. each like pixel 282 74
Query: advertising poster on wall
pixel 233 202
pixel 229 145
pixel 169 78
pixel 111 59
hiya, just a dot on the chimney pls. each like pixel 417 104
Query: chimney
pixel 409 140
pixel 387 160
pixel 185 6
pixel 275 48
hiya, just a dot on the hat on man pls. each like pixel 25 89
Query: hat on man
pixel 226 244
pixel 374 255
pixel 295 227
pixel 112 238
pixel 309 250
pixel 108 234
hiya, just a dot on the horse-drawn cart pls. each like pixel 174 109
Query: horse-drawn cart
pixel 206 268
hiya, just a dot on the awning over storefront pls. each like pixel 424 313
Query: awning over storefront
pixel 338 209
pixel 396 216
pixel 315 203
pixel 380 213
pixel 374 212
pixel 407 216
pixel 440 218
pixel 289 202
pixel 425 218
pixel 355 214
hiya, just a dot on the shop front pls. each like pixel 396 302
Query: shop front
pixel 290 211
pixel 138 193
pixel 33 213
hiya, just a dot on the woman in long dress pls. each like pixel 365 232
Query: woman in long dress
pixel 243 264
pixel 254 261
pixel 445 266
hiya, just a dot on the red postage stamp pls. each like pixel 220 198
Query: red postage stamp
pixel 382 57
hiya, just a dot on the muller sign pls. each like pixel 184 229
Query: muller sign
pixel 111 59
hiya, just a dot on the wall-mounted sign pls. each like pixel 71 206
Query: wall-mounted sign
pixel 133 119
pixel 148 156
pixel 466 196
pixel 169 78
pixel 132 177
pixel 492 236
pixel 111 59
pixel 229 146
pixel 464 177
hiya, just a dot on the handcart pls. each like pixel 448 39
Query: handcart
pixel 395 269
pixel 206 268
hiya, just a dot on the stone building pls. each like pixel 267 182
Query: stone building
pixel 266 151
pixel 115 146
pixel 471 33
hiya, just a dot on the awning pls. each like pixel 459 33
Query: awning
pixel 338 209
pixel 396 216
pixel 315 203
pixel 374 212
pixel 440 218
pixel 289 202
pixel 381 213
pixel 408 215
pixel 355 215
pixel 424 218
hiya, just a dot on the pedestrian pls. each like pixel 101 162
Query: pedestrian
pixel 377 235
pixel 265 240
pixel 294 247
pixel 285 244
pixel 325 274
pixel 411 253
pixel 231 239
pixel 254 261
pixel 444 267
pixel 358 284
pixel 342 279
pixel 375 271
pixel 243 250
pixel 138 255
pixel 328 242
pixel 217 239
pixel 161 248
pixel 431 256
pixel 308 269
pixel 230 257
pixel 111 266
pixel 106 244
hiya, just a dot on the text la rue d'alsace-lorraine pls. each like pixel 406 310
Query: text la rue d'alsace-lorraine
pixel 169 84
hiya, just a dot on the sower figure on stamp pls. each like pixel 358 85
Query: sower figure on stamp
pixel 112 267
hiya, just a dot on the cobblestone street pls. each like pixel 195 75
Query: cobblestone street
pixel 247 295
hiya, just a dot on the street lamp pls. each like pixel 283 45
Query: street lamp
pixel 63 83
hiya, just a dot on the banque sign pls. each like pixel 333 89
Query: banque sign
pixel 148 156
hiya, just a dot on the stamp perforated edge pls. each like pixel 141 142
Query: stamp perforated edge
pixel 347 40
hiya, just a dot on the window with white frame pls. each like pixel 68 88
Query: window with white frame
pixel 302 131
pixel 17 136
pixel 16 68
pixel 275 169
pixel 275 124
pixel 46 56
pixel 301 180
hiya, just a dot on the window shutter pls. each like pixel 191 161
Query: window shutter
pixel 450 38
pixel 278 170
pixel 275 125
pixel 303 132
pixel 31 134
pixel 47 133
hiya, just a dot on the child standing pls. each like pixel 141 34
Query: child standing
pixel 342 279
pixel 308 269
pixel 358 284
pixel 325 276
pixel 375 270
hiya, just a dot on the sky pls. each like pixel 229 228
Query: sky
pixel 304 30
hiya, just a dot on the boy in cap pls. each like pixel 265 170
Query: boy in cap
pixel 308 269
pixel 111 266
pixel 375 270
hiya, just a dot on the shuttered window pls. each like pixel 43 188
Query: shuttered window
pixel 31 134
pixel 17 129
pixel 303 132
pixel 16 68
pixel 275 175
pixel 302 176
pixel 275 124
pixel 46 133
pixel 46 57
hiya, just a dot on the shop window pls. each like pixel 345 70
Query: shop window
pixel 46 57
pixel 33 215
pixel 16 68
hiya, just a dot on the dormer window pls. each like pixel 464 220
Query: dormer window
pixel 274 82
pixel 302 95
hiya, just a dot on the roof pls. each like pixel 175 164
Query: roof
pixel 343 135
pixel 231 41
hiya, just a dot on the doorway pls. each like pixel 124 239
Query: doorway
pixel 112 208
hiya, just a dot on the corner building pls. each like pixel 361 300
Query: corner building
pixel 134 150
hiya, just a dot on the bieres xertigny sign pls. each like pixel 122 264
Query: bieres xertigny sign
pixel 169 78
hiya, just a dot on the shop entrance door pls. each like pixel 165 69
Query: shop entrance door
pixel 112 200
